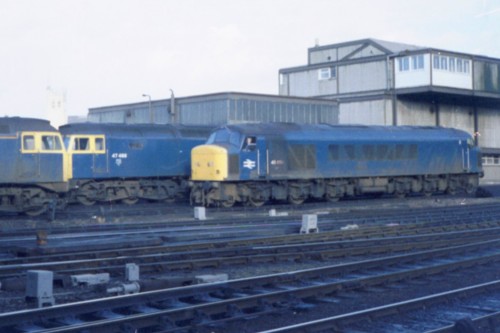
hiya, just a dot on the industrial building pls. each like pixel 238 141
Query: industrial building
pixel 220 108
pixel 386 83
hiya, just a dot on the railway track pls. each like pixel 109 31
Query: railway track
pixel 225 254
pixel 471 309
pixel 186 229
pixel 198 306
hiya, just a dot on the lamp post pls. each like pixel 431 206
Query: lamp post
pixel 151 118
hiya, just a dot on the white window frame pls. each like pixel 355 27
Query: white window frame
pixel 404 64
pixel 417 62
pixel 324 73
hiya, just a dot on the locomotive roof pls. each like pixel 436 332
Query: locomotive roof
pixel 136 129
pixel 11 125
pixel 339 131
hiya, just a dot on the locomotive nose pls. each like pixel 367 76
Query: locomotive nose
pixel 209 162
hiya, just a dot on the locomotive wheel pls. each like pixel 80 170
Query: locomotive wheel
pixel 400 195
pixel 87 191
pixel 85 201
pixel 331 198
pixel 451 191
pixel 130 201
pixel 36 211
pixel 296 201
pixel 256 202
pixel 227 203
pixel 470 189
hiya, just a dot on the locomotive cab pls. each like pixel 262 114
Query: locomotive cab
pixel 33 165
pixel 228 155
pixel 86 149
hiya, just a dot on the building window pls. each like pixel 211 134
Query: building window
pixel 404 64
pixel 491 160
pixel 444 63
pixel 466 67
pixel 324 73
pixel 435 62
pixel 417 62
pixel 413 63
pixel 451 64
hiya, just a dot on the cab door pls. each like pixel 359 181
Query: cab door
pixel 51 157
pixel 249 158
pixel 28 165
pixel 466 156
pixel 100 157
pixel 88 156
pixel 42 158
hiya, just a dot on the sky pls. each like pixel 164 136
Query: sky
pixel 107 52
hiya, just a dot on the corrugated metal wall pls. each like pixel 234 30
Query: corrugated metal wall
pixel 223 108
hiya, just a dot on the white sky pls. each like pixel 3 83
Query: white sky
pixel 106 52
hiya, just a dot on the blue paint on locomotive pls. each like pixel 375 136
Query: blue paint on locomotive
pixel 291 151
pixel 31 152
pixel 131 151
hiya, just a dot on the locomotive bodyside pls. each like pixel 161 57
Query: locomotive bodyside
pixel 296 162
pixel 112 162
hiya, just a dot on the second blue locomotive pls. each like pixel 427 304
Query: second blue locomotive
pixel 111 162
pixel 253 164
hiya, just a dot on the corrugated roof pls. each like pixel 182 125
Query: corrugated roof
pixel 397 47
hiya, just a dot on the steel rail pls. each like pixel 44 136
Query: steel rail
pixel 219 258
pixel 320 284
pixel 166 260
pixel 341 322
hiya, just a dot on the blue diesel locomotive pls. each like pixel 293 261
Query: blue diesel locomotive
pixel 255 163
pixel 32 163
pixel 110 162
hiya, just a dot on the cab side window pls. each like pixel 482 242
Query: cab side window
pixel 51 142
pixel 81 144
pixel 249 144
pixel 28 142
pixel 99 144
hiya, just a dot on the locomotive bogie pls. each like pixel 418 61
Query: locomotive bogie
pixel 130 191
pixel 297 191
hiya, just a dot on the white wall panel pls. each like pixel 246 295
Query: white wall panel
pixel 377 112
pixel 362 77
